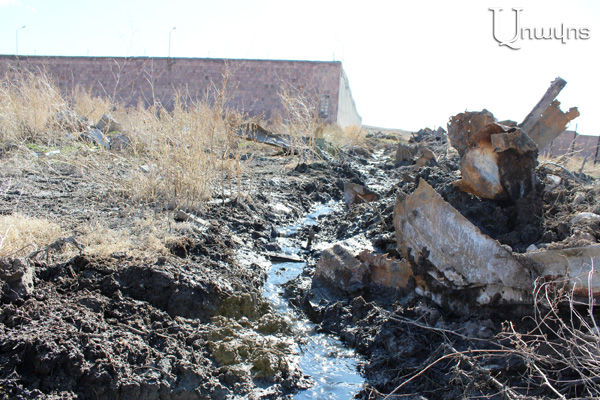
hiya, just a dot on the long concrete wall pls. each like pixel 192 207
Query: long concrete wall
pixel 252 85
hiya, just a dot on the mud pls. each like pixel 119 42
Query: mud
pixel 192 323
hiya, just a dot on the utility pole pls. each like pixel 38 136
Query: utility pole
pixel 170 40
pixel 17 40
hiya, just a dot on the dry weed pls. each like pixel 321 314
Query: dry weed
pixel 28 104
pixel 21 234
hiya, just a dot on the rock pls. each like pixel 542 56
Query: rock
pixel 17 274
pixel 579 199
pixel 69 121
pixel 531 248
pixel 586 218
pixel 405 154
pixel 339 269
pixel 356 194
pixel 552 182
pixel 118 142
pixel 426 157
pixel 108 124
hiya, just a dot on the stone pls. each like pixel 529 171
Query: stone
pixel 356 194
pixel 585 218
pixel 426 157
pixel 108 124
pixel 552 182
pixel 69 121
pixel 405 154
pixel 339 269
pixel 118 142
pixel 579 199
pixel 17 274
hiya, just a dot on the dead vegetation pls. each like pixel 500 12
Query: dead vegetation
pixel 180 160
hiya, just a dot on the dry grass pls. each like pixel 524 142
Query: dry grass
pixel 21 234
pixel 177 159
pixel 574 161
pixel 563 351
pixel 28 104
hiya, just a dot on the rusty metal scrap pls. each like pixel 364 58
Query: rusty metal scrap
pixel 552 123
pixel 464 125
pixel 499 163
pixel 574 267
pixel 546 121
pixel 427 227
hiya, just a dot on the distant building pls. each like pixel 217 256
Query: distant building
pixel 253 85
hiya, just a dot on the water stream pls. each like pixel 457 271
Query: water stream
pixel 332 365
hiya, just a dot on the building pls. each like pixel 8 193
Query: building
pixel 253 85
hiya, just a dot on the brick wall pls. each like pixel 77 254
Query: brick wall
pixel 253 85
pixel 569 142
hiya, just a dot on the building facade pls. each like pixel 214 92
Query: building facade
pixel 253 86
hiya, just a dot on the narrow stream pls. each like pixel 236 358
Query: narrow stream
pixel 332 365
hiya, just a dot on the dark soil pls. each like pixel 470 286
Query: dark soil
pixel 193 323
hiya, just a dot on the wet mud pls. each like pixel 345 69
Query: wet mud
pixel 194 323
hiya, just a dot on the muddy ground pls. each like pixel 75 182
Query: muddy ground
pixel 192 323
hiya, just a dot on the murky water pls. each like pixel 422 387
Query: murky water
pixel 332 366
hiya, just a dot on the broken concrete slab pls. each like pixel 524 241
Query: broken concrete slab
pixel 574 267
pixel 499 163
pixel 357 194
pixel 431 232
pixel 464 125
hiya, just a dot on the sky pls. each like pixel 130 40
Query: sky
pixel 411 64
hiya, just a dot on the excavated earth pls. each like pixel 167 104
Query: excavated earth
pixel 194 324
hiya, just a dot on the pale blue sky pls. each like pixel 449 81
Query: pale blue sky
pixel 411 64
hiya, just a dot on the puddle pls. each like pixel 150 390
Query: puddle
pixel 332 366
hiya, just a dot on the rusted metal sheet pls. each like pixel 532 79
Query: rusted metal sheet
pixel 464 125
pixel 427 227
pixel 499 163
pixel 546 121
pixel 552 123
pixel 386 272
pixel 577 267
